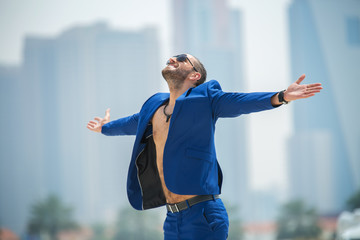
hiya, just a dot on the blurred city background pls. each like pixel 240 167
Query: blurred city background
pixel 293 172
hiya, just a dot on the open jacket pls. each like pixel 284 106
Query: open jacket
pixel 189 161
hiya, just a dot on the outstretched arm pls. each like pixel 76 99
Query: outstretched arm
pixel 121 126
pixel 296 91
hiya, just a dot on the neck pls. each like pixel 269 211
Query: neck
pixel 177 92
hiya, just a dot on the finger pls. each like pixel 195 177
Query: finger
pixel 309 92
pixel 309 95
pixel 301 78
pixel 107 113
pixel 98 119
pixel 93 122
pixel 314 85
pixel 313 89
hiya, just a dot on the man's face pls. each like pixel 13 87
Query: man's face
pixel 177 71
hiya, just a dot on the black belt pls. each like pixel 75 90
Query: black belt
pixel 177 207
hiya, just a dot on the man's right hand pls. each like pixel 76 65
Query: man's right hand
pixel 96 126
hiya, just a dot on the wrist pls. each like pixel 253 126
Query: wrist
pixel 282 97
pixel 286 96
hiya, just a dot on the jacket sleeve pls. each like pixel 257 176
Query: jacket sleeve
pixel 233 104
pixel 121 126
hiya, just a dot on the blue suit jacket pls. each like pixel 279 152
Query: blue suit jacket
pixel 189 161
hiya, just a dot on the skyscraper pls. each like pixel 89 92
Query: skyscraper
pixel 64 82
pixel 324 156
pixel 19 170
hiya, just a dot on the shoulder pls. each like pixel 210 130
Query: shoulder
pixel 210 85
pixel 209 89
pixel 214 84
pixel 158 96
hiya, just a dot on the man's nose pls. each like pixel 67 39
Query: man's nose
pixel 171 60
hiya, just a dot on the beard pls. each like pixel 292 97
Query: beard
pixel 175 77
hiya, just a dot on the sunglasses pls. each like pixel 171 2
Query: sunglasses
pixel 183 58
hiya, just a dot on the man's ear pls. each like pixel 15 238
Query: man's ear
pixel 195 76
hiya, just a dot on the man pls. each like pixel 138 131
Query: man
pixel 174 160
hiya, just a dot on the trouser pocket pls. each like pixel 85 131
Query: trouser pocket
pixel 215 216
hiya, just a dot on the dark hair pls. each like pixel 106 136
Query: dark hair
pixel 201 69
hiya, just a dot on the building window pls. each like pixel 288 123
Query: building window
pixel 353 30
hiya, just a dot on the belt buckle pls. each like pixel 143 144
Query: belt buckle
pixel 176 208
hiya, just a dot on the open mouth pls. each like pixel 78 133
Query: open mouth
pixel 173 65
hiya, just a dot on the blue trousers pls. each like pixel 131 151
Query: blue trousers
pixel 203 221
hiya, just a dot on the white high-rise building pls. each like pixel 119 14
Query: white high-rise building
pixel 324 155
pixel 64 82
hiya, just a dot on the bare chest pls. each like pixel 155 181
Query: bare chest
pixel 160 127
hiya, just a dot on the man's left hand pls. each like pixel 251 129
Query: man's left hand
pixel 296 91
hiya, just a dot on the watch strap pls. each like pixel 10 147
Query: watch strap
pixel 281 97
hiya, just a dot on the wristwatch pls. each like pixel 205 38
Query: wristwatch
pixel 281 97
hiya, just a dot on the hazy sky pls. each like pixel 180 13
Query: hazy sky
pixel 266 55
pixel 49 17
